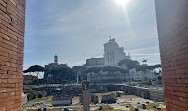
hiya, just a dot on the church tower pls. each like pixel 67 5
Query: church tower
pixel 56 59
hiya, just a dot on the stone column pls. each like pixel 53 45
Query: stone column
pixel 85 96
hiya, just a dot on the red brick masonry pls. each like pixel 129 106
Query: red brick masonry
pixel 12 25
pixel 172 21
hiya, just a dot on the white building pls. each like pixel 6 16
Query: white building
pixel 113 54
pixel 140 75
pixel 118 77
pixel 95 62
pixel 106 77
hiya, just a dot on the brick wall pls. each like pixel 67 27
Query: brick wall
pixel 172 21
pixel 12 25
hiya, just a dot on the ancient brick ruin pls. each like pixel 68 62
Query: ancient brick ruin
pixel 12 26
pixel 172 20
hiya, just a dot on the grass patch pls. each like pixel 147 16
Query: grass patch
pixel 107 93
pixel 54 109
pixel 32 110
pixel 30 103
pixel 129 106
pixel 77 108
pixel 108 108
pixel 149 106
pixel 164 104
pixel 49 98
pixel 105 108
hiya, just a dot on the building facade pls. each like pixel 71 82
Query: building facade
pixel 49 77
pixel 12 25
pixel 118 77
pixel 172 23
pixel 106 77
pixel 29 79
pixel 113 54
pixel 95 62
pixel 142 75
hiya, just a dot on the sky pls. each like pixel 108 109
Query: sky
pixel 76 30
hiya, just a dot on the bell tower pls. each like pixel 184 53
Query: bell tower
pixel 56 59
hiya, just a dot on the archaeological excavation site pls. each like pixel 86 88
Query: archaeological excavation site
pixel 93 55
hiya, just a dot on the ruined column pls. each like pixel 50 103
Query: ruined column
pixel 85 96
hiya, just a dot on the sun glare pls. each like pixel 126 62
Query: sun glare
pixel 122 2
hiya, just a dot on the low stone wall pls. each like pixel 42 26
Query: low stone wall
pixel 109 99
pixel 141 92
pixel 94 98
pixel 157 95
pixel 61 101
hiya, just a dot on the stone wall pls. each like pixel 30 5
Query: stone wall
pixel 156 95
pixel 108 99
pixel 12 25
pixel 172 22
pixel 61 101
pixel 141 92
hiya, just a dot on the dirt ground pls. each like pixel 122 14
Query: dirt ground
pixel 124 103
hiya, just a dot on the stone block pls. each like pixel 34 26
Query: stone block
pixel 111 98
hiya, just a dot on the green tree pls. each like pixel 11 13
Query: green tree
pixel 130 64
pixel 35 69
pixel 61 74
pixel 159 78
pixel 145 67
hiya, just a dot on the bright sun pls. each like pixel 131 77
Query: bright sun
pixel 122 2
